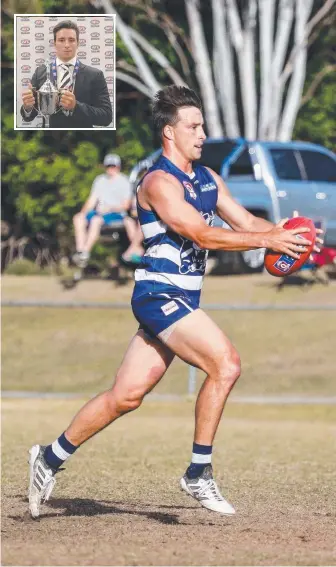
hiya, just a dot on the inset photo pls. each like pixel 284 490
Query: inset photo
pixel 64 70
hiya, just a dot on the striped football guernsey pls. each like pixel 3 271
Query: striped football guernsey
pixel 171 260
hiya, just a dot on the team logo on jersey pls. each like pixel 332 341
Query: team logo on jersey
pixel 193 258
pixel 188 186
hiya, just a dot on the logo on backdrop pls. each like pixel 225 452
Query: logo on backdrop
pixel 82 42
pixel 39 23
pixel 109 41
pixel 39 61
pixel 108 67
pixel 82 54
pixel 39 36
pixel 95 23
pixel 82 29
pixel 95 48
pixel 25 68
pixel 25 55
pixel 108 29
pixel 109 54
pixel 39 48
pixel 95 61
pixel 25 29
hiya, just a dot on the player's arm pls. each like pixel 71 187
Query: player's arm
pixel 235 214
pixel 165 195
pixel 238 217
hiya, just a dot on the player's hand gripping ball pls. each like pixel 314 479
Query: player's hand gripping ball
pixel 280 264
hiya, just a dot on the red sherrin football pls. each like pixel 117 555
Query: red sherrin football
pixel 279 264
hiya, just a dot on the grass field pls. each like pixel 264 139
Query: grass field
pixel 79 350
pixel 118 502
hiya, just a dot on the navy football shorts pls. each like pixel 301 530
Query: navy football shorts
pixel 156 311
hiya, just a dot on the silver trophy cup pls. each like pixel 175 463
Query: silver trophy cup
pixel 48 98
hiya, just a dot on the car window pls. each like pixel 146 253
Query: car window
pixel 285 164
pixel 242 165
pixel 318 166
pixel 214 153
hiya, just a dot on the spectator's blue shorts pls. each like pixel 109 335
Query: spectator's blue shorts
pixel 109 218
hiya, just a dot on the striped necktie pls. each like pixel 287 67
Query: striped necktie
pixel 66 81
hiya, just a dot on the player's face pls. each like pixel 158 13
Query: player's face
pixel 66 44
pixel 189 135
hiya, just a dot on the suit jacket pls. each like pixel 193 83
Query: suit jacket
pixel 93 105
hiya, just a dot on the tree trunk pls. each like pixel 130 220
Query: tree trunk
pixel 203 69
pixel 224 71
pixel 145 72
pixel 294 94
pixel 266 30
pixel 285 19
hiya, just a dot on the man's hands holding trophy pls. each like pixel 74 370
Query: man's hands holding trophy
pixel 67 99
pixel 28 98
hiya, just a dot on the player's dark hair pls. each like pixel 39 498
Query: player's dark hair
pixel 168 101
pixel 66 24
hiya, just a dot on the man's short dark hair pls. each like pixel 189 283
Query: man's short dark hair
pixel 168 101
pixel 66 24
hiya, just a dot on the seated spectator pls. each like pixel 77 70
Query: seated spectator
pixel 108 203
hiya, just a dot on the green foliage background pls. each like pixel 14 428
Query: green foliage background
pixel 48 175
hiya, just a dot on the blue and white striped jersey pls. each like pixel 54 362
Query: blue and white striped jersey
pixel 169 259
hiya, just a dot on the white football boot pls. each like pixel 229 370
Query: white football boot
pixel 205 490
pixel 41 480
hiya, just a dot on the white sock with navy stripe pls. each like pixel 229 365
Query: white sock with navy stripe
pixel 58 452
pixel 201 458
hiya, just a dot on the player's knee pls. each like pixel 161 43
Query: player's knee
pixel 229 369
pixel 129 401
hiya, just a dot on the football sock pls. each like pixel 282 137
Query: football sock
pixel 58 452
pixel 201 457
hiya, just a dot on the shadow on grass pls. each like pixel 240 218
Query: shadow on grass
pixel 87 507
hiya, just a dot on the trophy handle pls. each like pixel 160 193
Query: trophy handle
pixel 59 100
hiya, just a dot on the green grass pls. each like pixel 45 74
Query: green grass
pixel 79 350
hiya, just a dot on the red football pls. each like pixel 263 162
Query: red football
pixel 280 264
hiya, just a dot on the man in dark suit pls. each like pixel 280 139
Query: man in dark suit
pixel 84 100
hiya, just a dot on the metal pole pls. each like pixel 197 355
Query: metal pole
pixel 192 380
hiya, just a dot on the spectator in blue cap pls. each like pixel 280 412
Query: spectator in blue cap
pixel 108 204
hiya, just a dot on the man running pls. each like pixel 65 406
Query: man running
pixel 177 202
